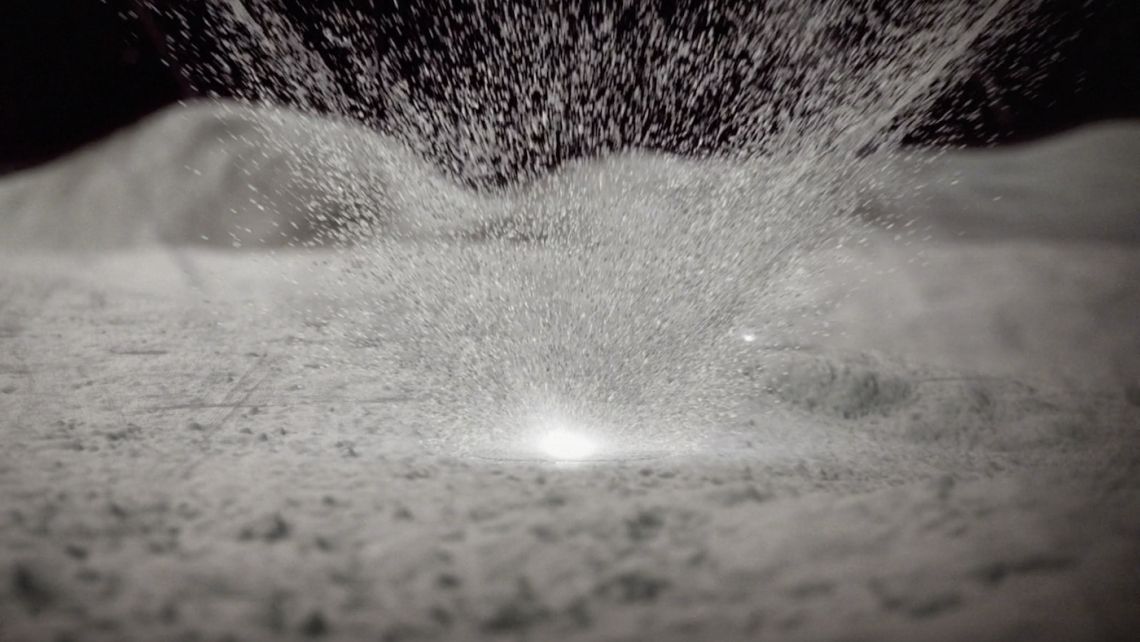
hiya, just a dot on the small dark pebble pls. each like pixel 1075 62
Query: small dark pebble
pixel 553 500
pixel 315 625
pixel 347 448
pixel 1132 394
pixel 515 616
pixel 633 587
pixel 76 551
pixel 518 614
pixel 543 533
pixel 644 526
pixel 270 529
pixel 126 433
pixel 30 589
pixel 168 614
pixel 440 616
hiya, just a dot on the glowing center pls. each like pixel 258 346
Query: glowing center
pixel 566 445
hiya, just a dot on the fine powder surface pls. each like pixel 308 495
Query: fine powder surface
pixel 939 441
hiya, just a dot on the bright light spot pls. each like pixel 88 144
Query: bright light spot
pixel 748 337
pixel 566 445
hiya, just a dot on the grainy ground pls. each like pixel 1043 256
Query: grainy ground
pixel 958 459
pixel 944 445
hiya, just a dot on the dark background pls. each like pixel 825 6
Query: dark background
pixel 72 71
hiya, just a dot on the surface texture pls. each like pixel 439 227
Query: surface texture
pixel 180 464
pixel 933 439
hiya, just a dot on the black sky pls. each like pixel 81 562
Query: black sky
pixel 74 70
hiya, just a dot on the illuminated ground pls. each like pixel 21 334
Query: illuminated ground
pixel 940 443
pixel 179 466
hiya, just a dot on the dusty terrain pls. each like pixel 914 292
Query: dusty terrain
pixel 946 449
